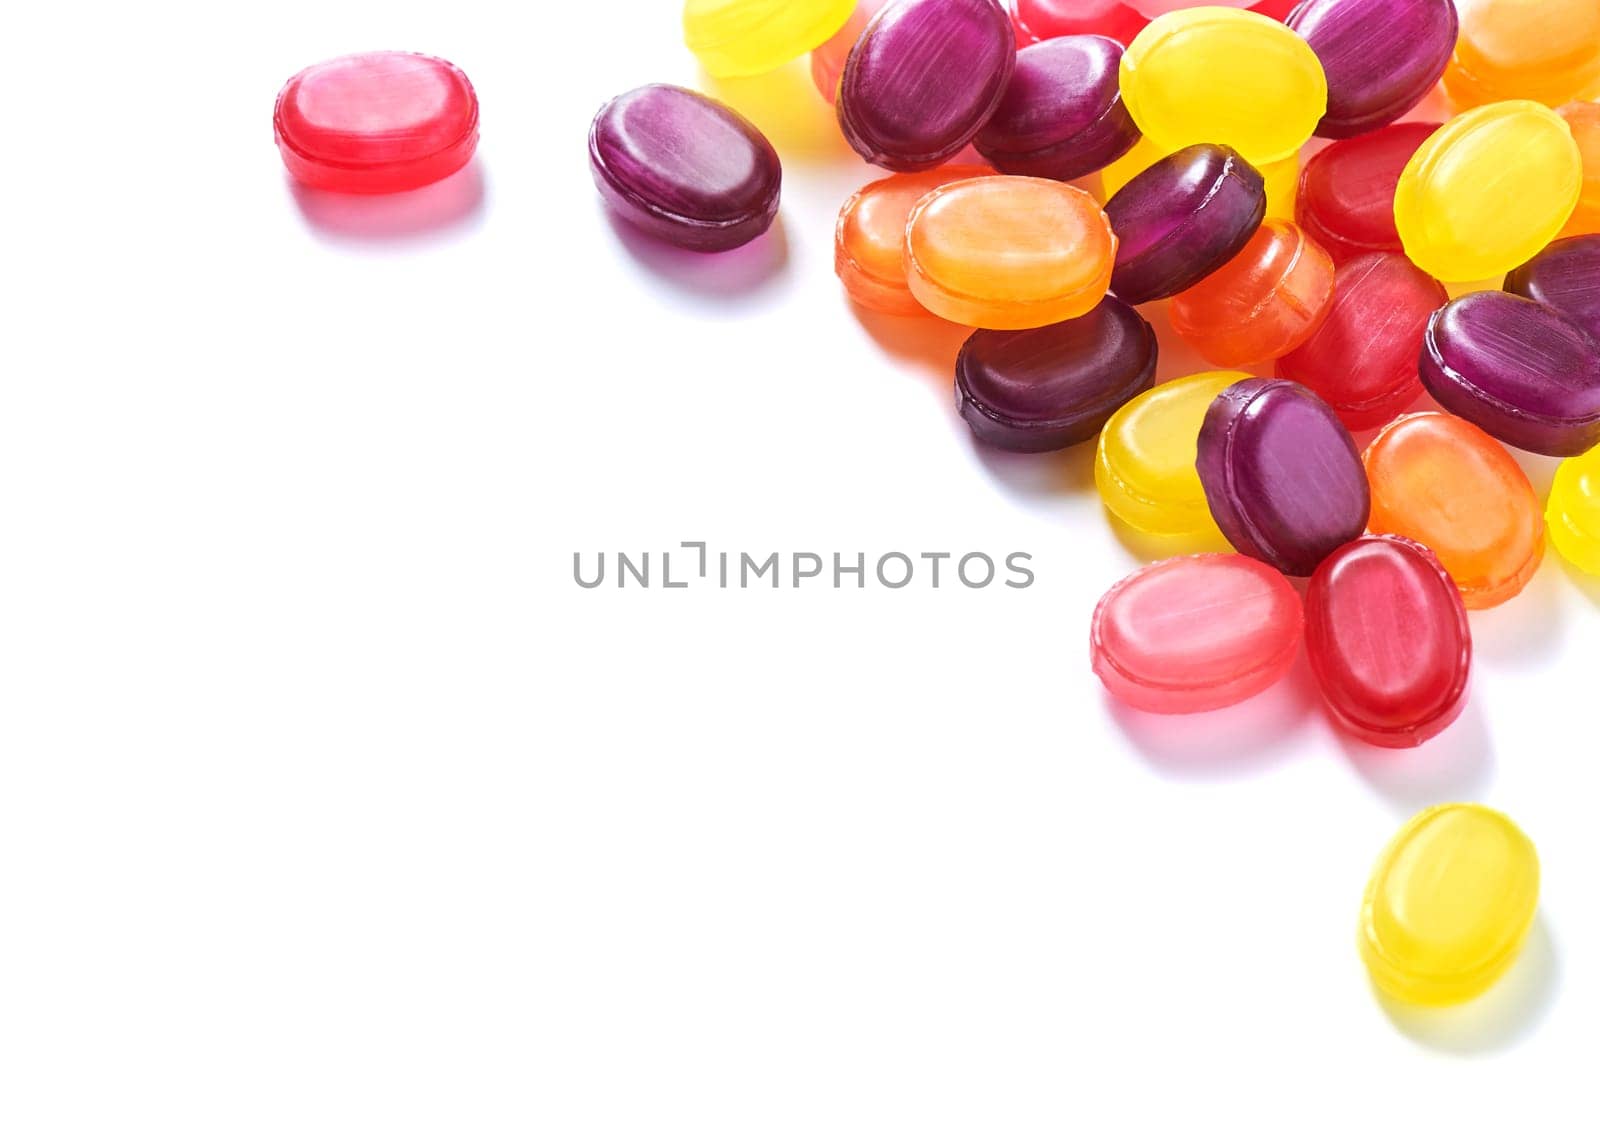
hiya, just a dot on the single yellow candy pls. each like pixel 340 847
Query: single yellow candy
pixel 1449 905
pixel 1573 515
pixel 1145 464
pixel 1225 76
pixel 1488 190
pixel 734 38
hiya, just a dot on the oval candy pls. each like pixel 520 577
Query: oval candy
pixel 1566 277
pixel 736 38
pixel 1195 633
pixel 1281 474
pixel 922 80
pixel 1038 20
pixel 1573 515
pixel 1449 905
pixel 684 168
pixel 1049 388
pixel 1388 640
pixel 1346 199
pixel 1008 253
pixel 1545 50
pixel 385 121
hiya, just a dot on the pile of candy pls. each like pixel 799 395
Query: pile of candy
pixel 1061 164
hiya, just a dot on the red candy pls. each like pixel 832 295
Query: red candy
pixel 1346 199
pixel 387 121
pixel 1038 20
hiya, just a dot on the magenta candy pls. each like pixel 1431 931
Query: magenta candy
pixel 684 168
pixel 923 79
pixel 1182 218
pixel 1521 371
pixel 1049 388
pixel 1062 116
pixel 1566 276
pixel 1382 57
pixel 1281 474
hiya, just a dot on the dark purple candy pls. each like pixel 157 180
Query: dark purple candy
pixel 1049 388
pixel 923 79
pixel 1382 57
pixel 1281 474
pixel 1182 218
pixel 1062 116
pixel 1523 372
pixel 1565 275
pixel 685 168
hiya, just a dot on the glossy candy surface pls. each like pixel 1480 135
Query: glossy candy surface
pixel 1362 359
pixel 1062 115
pixel 1346 199
pixel 1546 50
pixel 827 61
pixel 1049 388
pixel 1260 304
pixel 1388 640
pixel 1171 82
pixel 386 121
pixel 922 80
pixel 1449 905
pixel 1583 118
pixel 1521 371
pixel 870 239
pixel 1281 474
pixel 1195 633
pixel 1038 20
pixel 1150 9
pixel 1573 514
pixel 1145 464
pixel 1182 218
pixel 684 168
pixel 1442 481
pixel 1008 253
pixel 1566 276
pixel 1381 57
pixel 750 37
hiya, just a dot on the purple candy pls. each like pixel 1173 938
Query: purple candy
pixel 1049 388
pixel 923 79
pixel 1382 57
pixel 1182 218
pixel 1565 275
pixel 1523 372
pixel 684 168
pixel 1062 116
pixel 1281 474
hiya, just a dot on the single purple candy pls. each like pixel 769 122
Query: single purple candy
pixel 1281 474
pixel 1523 372
pixel 1062 116
pixel 1382 57
pixel 1049 388
pixel 1182 218
pixel 684 168
pixel 1565 275
pixel 923 79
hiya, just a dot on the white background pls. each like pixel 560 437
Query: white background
pixel 327 799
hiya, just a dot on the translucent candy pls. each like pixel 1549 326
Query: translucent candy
pixel 1389 642
pixel 1347 190
pixel 733 38
pixel 1281 474
pixel 1195 633
pixel 1487 191
pixel 1171 83
pixel 1145 464
pixel 1566 276
pixel 1449 905
pixel 1442 481
pixel 1546 50
pixel 1573 515
pixel 1009 253
pixel 1281 178
pixel 1049 388
pixel 1362 359
pixel 870 239
pixel 827 61
pixel 1583 118
pixel 1265 301
pixel 1038 20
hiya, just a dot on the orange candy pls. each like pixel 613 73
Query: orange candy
pixel 1264 302
pixel 869 242
pixel 1584 120
pixel 1444 482
pixel 1546 50
pixel 1009 253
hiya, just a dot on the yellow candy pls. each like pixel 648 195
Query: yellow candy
pixel 1225 76
pixel 1574 512
pixel 733 38
pixel 1282 177
pixel 1145 465
pixel 1448 905
pixel 1487 191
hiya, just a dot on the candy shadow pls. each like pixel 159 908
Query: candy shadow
pixel 1587 583
pixel 1458 764
pixel 923 340
pixel 786 106
pixel 740 273
pixel 452 205
pixel 1526 629
pixel 1511 1009
pixel 1045 475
